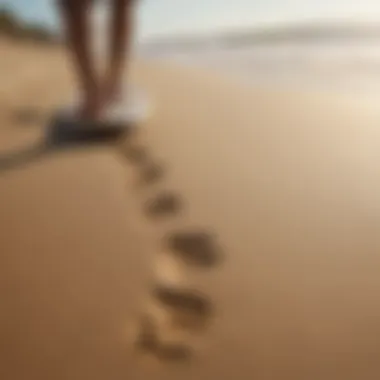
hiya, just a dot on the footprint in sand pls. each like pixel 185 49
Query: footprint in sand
pixel 164 204
pixel 136 154
pixel 149 342
pixel 196 248
pixel 174 311
pixel 183 301
pixel 189 309
pixel 151 173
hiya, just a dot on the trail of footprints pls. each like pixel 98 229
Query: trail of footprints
pixel 177 312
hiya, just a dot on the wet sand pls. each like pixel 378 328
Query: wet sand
pixel 236 235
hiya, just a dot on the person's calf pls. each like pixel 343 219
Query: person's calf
pixel 76 20
pixel 72 5
pixel 120 40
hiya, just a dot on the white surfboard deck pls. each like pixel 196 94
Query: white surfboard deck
pixel 124 116
pixel 131 107
pixel 128 112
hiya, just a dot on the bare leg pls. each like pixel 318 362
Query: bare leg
pixel 121 30
pixel 76 21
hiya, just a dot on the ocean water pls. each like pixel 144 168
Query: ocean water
pixel 349 64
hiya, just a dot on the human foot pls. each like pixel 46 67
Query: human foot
pixel 91 108
pixel 111 92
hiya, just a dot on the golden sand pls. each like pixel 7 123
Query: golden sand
pixel 235 236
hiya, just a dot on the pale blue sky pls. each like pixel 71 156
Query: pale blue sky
pixel 172 16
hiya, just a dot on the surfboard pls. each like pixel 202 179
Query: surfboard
pixel 124 115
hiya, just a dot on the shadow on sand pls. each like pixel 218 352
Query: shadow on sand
pixel 26 116
pixel 62 134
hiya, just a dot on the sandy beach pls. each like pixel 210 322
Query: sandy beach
pixel 236 235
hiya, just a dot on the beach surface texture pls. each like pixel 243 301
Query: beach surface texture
pixel 235 235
